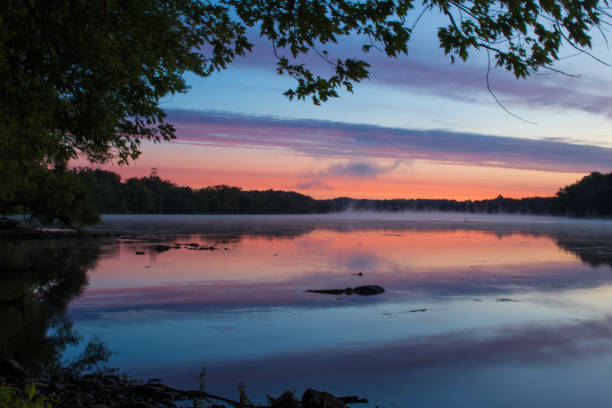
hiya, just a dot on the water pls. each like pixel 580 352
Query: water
pixel 483 311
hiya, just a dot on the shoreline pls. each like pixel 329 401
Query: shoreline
pixel 24 233
pixel 104 390
pixel 110 225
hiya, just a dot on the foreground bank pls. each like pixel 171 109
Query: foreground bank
pixel 103 390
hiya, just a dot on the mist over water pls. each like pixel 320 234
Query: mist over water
pixel 176 224
pixel 478 310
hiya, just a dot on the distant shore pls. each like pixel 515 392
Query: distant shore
pixel 137 226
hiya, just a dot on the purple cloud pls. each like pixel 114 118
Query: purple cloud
pixel 313 185
pixel 319 138
pixel 359 168
pixel 468 82
pixel 432 73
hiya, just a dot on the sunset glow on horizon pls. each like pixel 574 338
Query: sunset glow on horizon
pixel 199 168
pixel 420 127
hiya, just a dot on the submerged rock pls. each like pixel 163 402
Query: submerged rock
pixel 162 248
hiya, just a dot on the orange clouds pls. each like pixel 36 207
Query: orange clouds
pixel 201 166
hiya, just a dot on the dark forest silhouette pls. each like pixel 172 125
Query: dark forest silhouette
pixel 591 196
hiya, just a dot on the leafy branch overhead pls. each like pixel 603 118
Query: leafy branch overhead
pixel 524 36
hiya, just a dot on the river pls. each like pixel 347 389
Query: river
pixel 477 310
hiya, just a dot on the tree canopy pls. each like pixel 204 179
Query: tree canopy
pixel 85 77
pixel 591 196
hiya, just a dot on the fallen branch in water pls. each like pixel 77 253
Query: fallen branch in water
pixel 366 290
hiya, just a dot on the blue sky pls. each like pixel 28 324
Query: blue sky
pixel 422 112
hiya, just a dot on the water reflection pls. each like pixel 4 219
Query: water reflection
pixel 594 251
pixel 38 281
pixel 265 269
pixel 243 310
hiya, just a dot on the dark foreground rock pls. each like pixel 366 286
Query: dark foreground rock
pixel 108 390
pixel 313 399
pixel 366 290
pixel 319 399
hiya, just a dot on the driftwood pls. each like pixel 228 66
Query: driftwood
pixel 366 290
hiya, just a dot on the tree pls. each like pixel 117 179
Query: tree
pixel 85 77
pixel 591 196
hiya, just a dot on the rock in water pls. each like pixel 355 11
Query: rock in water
pixel 331 291
pixel 366 290
pixel 320 399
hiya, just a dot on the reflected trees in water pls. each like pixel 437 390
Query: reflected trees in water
pixel 38 280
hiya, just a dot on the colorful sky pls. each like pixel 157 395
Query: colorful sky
pixel 419 127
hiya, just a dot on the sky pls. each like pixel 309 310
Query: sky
pixel 419 127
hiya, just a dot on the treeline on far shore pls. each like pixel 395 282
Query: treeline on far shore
pixel 591 196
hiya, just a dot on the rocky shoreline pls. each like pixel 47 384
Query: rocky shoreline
pixel 23 233
pixel 102 390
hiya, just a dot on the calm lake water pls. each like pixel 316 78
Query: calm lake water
pixel 477 312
